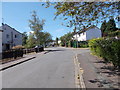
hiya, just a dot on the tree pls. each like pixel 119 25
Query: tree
pixel 84 14
pixel 66 38
pixel 47 38
pixel 31 41
pixel 57 40
pixel 36 25
pixel 24 39
pixel 103 27
pixel 111 25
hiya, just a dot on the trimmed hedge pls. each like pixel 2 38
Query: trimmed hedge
pixel 83 44
pixel 107 48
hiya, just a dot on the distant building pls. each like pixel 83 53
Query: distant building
pixel 10 37
pixel 59 41
pixel 87 34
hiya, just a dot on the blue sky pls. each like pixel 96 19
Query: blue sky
pixel 17 14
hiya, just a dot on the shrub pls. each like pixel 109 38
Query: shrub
pixel 83 44
pixel 115 33
pixel 18 47
pixel 107 48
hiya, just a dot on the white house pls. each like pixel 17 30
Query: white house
pixel 1 43
pixel 10 37
pixel 87 34
pixel 59 41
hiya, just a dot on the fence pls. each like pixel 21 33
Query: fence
pixel 18 52
pixel 12 54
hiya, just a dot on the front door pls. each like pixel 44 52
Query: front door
pixel 7 46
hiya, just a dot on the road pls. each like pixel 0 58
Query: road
pixel 53 69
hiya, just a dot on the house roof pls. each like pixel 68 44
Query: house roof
pixel 84 30
pixel 1 30
pixel 10 27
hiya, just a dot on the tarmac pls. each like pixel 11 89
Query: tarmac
pixel 25 58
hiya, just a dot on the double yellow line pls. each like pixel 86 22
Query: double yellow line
pixel 79 82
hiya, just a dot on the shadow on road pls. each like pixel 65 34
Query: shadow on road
pixel 48 51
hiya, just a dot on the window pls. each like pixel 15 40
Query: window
pixel 15 36
pixel 7 36
pixel 83 33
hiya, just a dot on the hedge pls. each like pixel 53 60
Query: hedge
pixel 83 44
pixel 115 33
pixel 107 48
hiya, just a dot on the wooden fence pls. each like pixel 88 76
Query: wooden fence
pixel 14 53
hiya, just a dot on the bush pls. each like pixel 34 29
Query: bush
pixel 83 44
pixel 115 33
pixel 107 48
pixel 18 47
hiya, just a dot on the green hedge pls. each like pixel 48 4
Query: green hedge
pixel 83 44
pixel 115 33
pixel 108 49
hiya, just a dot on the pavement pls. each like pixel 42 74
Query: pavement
pixel 25 58
pixel 96 73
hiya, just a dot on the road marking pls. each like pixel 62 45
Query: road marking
pixel 77 84
pixel 78 74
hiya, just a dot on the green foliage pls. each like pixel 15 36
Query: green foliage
pixel 80 14
pixel 24 39
pixel 36 25
pixel 46 38
pixel 66 39
pixel 83 44
pixel 38 37
pixel 103 27
pixel 107 48
pixel 108 27
pixel 113 34
pixel 111 26
pixel 30 41
pixel 57 40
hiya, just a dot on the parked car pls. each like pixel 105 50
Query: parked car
pixel 39 48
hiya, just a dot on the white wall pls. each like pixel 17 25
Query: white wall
pixel 0 41
pixel 0 44
pixel 82 37
pixel 59 41
pixel 93 33
pixel 89 34
pixel 11 32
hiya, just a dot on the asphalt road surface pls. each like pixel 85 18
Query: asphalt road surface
pixel 53 69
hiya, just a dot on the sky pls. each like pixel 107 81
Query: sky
pixel 17 15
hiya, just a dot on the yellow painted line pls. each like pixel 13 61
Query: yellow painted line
pixel 80 72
